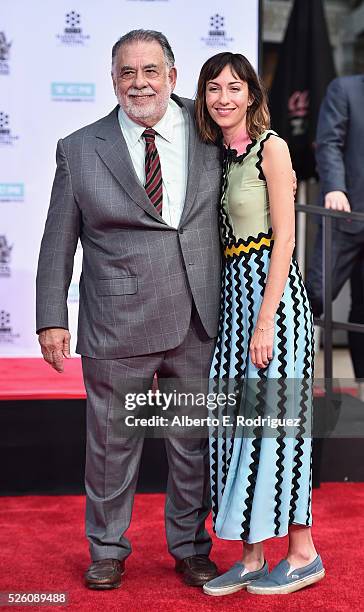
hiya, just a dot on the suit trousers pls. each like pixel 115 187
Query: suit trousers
pixel 347 263
pixel 113 457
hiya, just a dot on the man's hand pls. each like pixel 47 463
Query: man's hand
pixel 55 345
pixel 337 200
pixel 294 183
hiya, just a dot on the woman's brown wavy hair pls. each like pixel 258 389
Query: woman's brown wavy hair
pixel 257 117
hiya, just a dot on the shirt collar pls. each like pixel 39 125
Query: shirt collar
pixel 164 128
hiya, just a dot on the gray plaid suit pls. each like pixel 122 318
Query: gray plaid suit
pixel 149 302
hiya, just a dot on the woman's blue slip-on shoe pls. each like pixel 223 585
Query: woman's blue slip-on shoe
pixel 282 581
pixel 234 580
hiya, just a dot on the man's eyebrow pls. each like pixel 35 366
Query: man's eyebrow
pixel 126 67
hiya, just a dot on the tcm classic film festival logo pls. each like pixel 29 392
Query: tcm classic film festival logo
pixel 72 34
pixel 4 54
pixel 6 136
pixel 5 257
pixel 217 36
pixel 11 192
pixel 73 92
pixel 7 335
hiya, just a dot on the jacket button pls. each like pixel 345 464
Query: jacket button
pixel 180 231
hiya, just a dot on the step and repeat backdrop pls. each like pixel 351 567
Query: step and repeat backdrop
pixel 55 78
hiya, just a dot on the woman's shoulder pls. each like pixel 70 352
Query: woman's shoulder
pixel 271 148
pixel 270 141
pixel 266 135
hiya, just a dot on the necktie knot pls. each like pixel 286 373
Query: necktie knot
pixel 149 135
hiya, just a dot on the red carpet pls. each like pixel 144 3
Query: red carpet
pixel 43 549
pixel 33 378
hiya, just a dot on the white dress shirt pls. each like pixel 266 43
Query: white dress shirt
pixel 172 145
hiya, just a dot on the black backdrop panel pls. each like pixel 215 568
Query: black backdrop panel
pixel 42 451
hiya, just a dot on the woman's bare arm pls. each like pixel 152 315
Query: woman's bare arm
pixel 277 169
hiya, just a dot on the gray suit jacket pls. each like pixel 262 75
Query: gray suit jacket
pixel 340 143
pixel 139 275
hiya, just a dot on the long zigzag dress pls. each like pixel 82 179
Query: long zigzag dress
pixel 261 468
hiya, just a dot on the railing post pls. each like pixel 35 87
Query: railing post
pixel 327 301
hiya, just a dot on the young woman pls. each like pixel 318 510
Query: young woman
pixel 260 475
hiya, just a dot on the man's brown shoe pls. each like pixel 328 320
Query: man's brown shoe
pixel 197 570
pixel 105 574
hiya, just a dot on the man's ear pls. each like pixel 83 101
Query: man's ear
pixel 172 76
pixel 113 81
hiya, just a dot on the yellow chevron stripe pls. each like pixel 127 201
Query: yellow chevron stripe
pixel 245 248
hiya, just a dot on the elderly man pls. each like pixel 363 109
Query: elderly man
pixel 141 192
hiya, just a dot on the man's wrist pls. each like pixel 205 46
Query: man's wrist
pixel 41 329
pixel 335 190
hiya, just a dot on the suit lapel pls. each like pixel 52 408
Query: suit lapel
pixel 113 150
pixel 195 161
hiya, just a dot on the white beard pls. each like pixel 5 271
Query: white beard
pixel 155 108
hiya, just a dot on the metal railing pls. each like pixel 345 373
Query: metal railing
pixel 327 323
pixel 332 406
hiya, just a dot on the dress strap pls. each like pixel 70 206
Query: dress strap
pixel 263 138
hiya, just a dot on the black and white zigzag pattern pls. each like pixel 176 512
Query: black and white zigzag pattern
pixel 282 387
pixel 305 403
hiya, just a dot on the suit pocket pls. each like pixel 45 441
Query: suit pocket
pixel 117 286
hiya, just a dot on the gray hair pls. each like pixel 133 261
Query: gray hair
pixel 145 36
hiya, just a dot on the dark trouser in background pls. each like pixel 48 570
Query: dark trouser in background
pixel 112 458
pixel 356 341
pixel 347 263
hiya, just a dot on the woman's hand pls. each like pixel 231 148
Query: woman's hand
pixel 261 346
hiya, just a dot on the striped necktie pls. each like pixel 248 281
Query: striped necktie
pixel 153 173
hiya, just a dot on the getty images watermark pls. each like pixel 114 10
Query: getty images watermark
pixel 218 403
pixel 251 408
